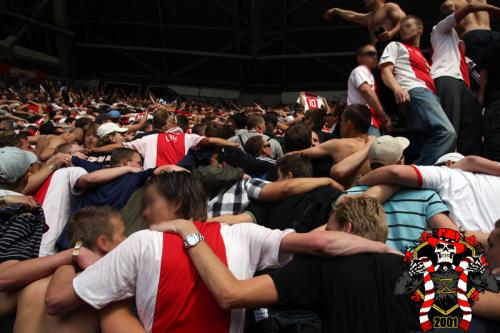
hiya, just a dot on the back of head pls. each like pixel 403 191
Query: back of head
pixel 183 123
pixel 297 137
pixel 297 165
pixel 89 223
pixel 316 116
pixel 240 120
pixel 184 188
pixel 366 217
pixel 215 130
pixel 253 146
pixel 253 121
pixel 271 119
pixel 8 139
pixel 160 119
pixel 64 148
pixel 360 117
pixel 119 155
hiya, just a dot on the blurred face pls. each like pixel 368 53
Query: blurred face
pixel 368 57
pixel 330 119
pixel 90 140
pixel 493 250
pixel 314 139
pixel 158 209
pixel 410 30
pixel 117 138
pixel 266 149
pixel 134 161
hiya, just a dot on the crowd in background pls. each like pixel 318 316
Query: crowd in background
pixel 127 212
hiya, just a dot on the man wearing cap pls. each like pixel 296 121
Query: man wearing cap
pixel 22 223
pixel 470 188
pixel 408 211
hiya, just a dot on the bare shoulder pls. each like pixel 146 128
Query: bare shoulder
pixel 392 7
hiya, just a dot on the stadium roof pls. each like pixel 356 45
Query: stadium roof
pixel 257 45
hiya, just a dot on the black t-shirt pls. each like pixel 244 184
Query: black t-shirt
pixel 489 62
pixel 302 212
pixel 351 294
pixel 101 159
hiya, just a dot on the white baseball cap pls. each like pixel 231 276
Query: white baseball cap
pixel 14 163
pixel 450 157
pixel 387 150
pixel 109 128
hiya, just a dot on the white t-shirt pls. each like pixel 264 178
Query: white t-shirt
pixel 56 203
pixel 411 69
pixel 473 198
pixel 448 57
pixel 359 75
pixel 133 268
pixel 147 146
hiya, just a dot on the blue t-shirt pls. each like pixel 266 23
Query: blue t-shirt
pixel 408 212
pixel 115 193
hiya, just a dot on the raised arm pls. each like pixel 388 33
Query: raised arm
pixel 351 163
pixel 401 95
pixel 404 175
pixel 348 15
pixel 104 176
pixel 280 190
pixel 140 124
pixel 478 164
pixel 461 13
pixel 229 292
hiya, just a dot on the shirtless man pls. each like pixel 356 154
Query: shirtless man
pixel 474 29
pixel 100 229
pixel 354 124
pixel 382 20
pixel 47 144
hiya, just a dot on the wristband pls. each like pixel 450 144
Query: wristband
pixel 76 253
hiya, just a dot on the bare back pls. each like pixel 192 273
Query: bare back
pixel 473 21
pixel 32 314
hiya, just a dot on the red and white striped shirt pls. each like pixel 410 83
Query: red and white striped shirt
pixel 55 196
pixel 163 148
pixel 169 293
pixel 411 69
pixel 448 56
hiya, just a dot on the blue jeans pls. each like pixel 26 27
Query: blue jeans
pixel 428 123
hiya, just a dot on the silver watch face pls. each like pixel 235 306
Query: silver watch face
pixel 191 240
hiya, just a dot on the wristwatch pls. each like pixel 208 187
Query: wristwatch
pixel 76 252
pixel 192 239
